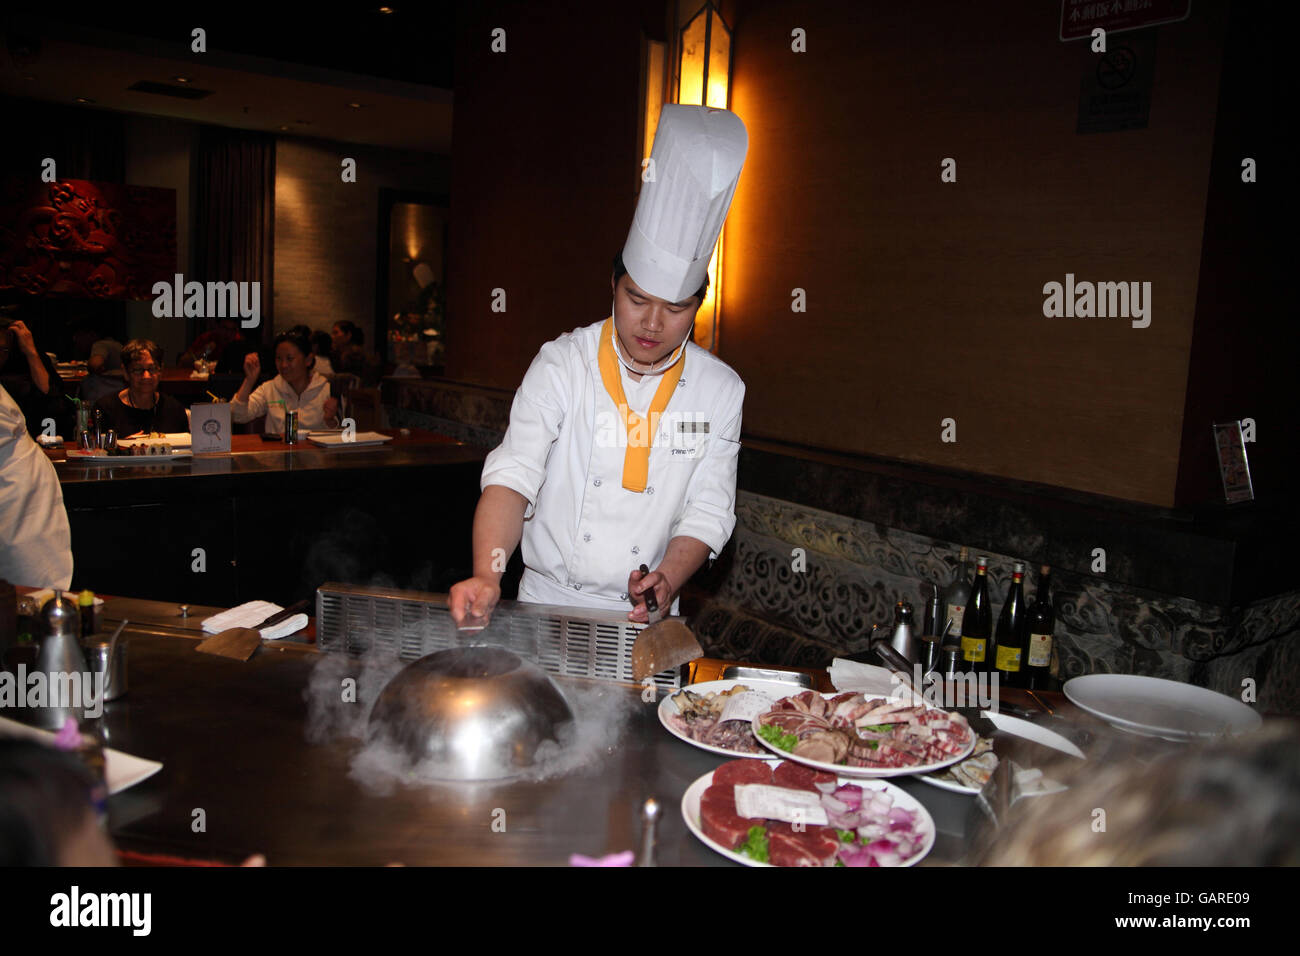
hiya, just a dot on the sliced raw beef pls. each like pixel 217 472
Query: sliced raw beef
pixel 824 746
pixel 797 777
pixel 718 817
pixel 742 771
pixel 814 846
pixel 793 722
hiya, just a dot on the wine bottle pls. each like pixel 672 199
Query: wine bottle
pixel 1040 625
pixel 955 597
pixel 1011 631
pixel 977 623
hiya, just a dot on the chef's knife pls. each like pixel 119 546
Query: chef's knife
pixel 284 615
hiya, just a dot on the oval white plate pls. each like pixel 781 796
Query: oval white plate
pixel 903 799
pixel 78 455
pixel 1160 708
pixel 861 773
pixel 775 689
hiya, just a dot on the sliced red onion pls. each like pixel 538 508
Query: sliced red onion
pixel 900 816
pixel 832 804
pixel 851 796
pixel 856 856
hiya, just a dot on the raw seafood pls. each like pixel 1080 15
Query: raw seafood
pixel 697 717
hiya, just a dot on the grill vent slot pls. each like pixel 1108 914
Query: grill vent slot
pixel 569 642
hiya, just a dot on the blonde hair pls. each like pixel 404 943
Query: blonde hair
pixel 1233 802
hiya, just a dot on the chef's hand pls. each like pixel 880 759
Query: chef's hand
pixel 473 600
pixel 332 413
pixel 23 335
pixel 638 584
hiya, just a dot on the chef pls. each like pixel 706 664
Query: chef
pixel 623 437
pixel 35 541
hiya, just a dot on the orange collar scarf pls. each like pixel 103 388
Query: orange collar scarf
pixel 640 434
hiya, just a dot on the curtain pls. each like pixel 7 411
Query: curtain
pixel 234 214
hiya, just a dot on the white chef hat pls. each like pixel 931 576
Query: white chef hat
pixel 697 157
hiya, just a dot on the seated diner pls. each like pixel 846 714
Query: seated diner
pixel 140 408
pixel 298 387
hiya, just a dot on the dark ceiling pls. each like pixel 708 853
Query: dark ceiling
pixel 413 43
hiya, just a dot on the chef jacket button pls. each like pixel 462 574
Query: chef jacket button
pixel 596 482
pixel 681 382
pixel 650 490
pixel 623 596
pixel 587 536
pixel 636 549
pixel 577 587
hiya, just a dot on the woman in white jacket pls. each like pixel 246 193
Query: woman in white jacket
pixel 298 387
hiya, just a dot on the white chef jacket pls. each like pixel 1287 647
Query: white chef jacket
pixel 584 533
pixel 310 405
pixel 35 541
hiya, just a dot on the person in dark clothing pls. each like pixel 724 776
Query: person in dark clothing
pixel 106 375
pixel 140 407
pixel 29 376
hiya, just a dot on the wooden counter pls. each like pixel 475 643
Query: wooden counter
pixel 273 521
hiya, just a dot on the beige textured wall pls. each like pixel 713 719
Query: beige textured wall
pixel 326 253
pixel 925 299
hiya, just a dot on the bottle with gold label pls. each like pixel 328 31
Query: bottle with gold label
pixel 977 623
pixel 1007 657
pixel 1040 624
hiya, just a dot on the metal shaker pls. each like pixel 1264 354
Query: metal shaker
pixel 291 426
pixel 59 658
pixel 901 640
pixel 113 668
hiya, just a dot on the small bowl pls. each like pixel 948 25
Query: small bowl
pixel 470 713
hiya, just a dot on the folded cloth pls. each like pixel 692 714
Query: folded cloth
pixel 1031 783
pixel 870 680
pixel 251 614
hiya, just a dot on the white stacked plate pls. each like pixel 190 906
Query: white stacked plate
pixel 1154 707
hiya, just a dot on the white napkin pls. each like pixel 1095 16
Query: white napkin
pixel 250 614
pixel 1031 783
pixel 870 680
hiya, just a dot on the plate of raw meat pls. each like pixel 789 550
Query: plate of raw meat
pixel 866 823
pixel 694 714
pixel 860 736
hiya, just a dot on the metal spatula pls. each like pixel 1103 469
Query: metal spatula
pixel 663 646
pixel 238 643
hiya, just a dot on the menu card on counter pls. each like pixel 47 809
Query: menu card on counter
pixel 210 428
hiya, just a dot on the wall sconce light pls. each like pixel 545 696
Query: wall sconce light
pixel 704 79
